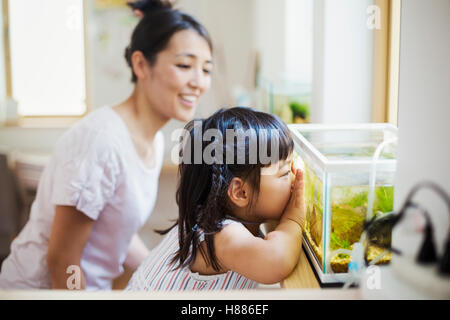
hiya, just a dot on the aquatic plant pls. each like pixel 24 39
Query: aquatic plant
pixel 384 201
pixel 359 200
pixel 299 110
pixel 338 242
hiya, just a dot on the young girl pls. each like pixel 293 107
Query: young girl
pixel 221 206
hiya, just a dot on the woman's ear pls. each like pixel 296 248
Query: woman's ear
pixel 239 192
pixel 140 64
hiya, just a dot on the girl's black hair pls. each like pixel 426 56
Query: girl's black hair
pixel 154 31
pixel 202 188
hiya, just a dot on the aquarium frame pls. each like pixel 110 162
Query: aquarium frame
pixel 337 166
pixel 324 278
pixel 326 221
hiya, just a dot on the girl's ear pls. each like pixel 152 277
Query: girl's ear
pixel 239 192
pixel 140 64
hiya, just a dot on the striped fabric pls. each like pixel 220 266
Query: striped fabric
pixel 156 272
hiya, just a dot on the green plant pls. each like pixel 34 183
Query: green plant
pixel 359 200
pixel 384 199
pixel 299 110
pixel 338 242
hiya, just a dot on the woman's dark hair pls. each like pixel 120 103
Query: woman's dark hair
pixel 202 188
pixel 154 31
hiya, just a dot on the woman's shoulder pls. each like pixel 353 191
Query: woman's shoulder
pixel 98 134
pixel 102 122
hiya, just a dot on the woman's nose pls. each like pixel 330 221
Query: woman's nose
pixel 200 80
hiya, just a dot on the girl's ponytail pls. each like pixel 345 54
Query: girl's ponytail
pixel 205 217
pixel 214 212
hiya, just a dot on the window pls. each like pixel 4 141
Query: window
pixel 47 57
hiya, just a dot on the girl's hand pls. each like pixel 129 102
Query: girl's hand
pixel 296 163
pixel 295 209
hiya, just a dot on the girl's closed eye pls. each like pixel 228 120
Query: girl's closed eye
pixel 287 173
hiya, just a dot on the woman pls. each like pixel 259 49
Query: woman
pixel 101 183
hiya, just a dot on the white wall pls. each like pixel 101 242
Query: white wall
pixel 270 38
pixel 299 39
pixel 108 33
pixel 424 110
pixel 342 74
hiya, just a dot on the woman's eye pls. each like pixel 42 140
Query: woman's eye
pixel 207 71
pixel 287 173
pixel 183 66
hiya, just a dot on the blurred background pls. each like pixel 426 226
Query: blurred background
pixel 308 61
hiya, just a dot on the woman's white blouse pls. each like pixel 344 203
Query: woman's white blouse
pixel 94 167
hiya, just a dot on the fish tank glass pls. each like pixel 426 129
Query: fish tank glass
pixel 288 99
pixel 349 177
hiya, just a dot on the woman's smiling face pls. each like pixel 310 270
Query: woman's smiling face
pixel 180 76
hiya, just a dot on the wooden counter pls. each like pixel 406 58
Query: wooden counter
pixel 302 277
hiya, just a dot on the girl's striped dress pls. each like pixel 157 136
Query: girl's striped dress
pixel 156 272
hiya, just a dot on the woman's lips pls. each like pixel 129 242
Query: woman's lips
pixel 188 100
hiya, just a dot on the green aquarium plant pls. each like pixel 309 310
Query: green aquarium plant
pixel 384 201
pixel 338 243
pixel 299 109
pixel 358 200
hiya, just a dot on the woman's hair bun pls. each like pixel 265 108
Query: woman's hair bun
pixel 146 6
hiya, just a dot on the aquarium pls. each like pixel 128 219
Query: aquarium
pixel 349 177
pixel 288 99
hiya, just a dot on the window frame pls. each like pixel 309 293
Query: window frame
pixel 386 55
pixel 38 121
